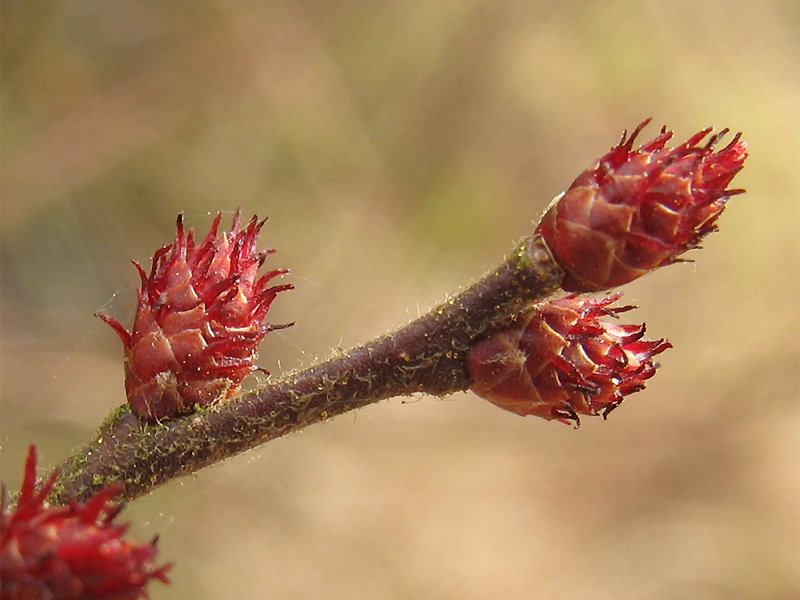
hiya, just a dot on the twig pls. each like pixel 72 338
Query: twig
pixel 426 356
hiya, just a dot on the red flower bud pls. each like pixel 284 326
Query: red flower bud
pixel 636 210
pixel 70 552
pixel 199 321
pixel 562 361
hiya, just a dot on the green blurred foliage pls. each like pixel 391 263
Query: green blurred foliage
pixel 399 148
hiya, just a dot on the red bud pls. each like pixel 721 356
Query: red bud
pixel 563 361
pixel 636 210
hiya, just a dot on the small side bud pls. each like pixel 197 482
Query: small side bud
pixel 563 361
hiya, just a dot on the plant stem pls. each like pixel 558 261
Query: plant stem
pixel 426 356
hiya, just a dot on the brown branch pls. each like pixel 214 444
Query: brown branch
pixel 427 355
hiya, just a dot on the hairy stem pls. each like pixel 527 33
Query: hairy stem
pixel 426 356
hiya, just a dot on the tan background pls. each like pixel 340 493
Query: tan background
pixel 399 149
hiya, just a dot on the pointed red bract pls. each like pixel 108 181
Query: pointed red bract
pixel 563 361
pixel 70 552
pixel 199 321
pixel 639 209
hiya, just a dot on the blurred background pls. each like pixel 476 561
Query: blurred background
pixel 400 149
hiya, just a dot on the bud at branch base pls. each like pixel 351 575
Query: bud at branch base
pixel 199 321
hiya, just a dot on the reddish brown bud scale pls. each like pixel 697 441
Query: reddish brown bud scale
pixel 69 552
pixel 199 321
pixel 636 210
pixel 562 361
